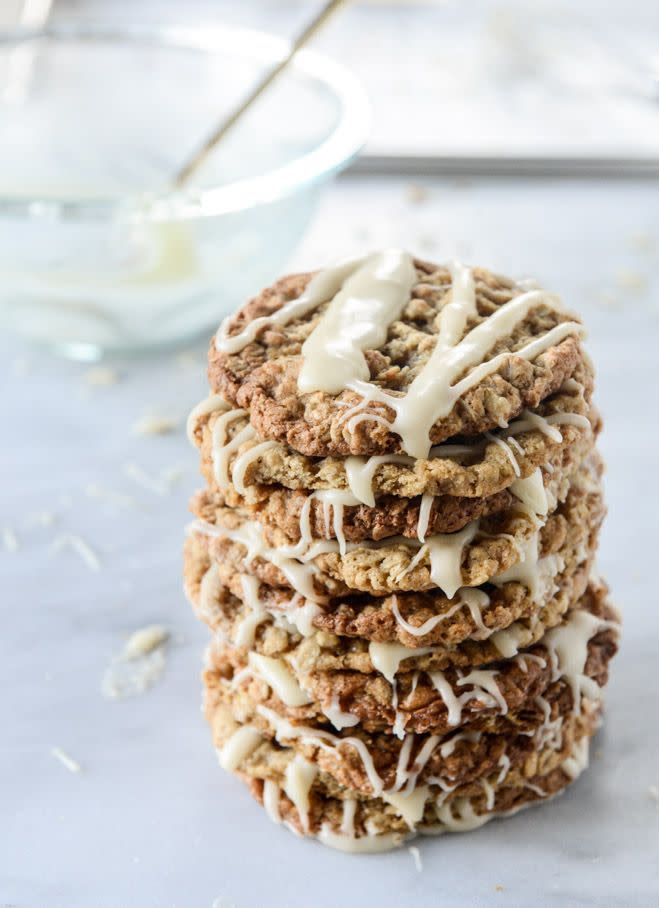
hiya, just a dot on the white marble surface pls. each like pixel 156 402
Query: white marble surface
pixel 151 821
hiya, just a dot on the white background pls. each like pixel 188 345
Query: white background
pixel 152 821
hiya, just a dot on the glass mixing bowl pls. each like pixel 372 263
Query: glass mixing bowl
pixel 98 255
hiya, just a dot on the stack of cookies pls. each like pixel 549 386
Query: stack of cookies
pixel 394 551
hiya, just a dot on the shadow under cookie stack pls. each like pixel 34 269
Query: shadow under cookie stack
pixel 394 550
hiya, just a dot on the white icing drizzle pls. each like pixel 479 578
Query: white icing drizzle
pixel 410 806
pixel 445 553
pixel 428 625
pixel 208 592
pixel 333 501
pixel 483 688
pixel 246 459
pixel 571 384
pixel 424 516
pixel 435 390
pixel 387 657
pixel 400 718
pixel 240 745
pixel 577 762
pixel 223 449
pixel 452 703
pixel 407 776
pixel 568 650
pixel 302 616
pixel 271 792
pixel 337 716
pixel 324 739
pixel 402 774
pixel 489 794
pixel 476 601
pixel 209 405
pixel 322 287
pixel 446 789
pixel 246 630
pixel 483 680
pixel 529 420
pixel 357 319
pixel 458 815
pixel 547 424
pixel 550 733
pixel 531 492
pixel 510 640
pixel 445 550
pixel 241 676
pixel 516 445
pixel 348 817
pixel 277 674
pixel 448 747
pixel 300 776
pixel 535 573
pixel 506 448
pixel 366 844
pixel 360 472
pixel 536 789
pixel 570 419
pixel 504 763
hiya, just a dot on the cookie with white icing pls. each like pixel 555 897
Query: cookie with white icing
pixel 389 354
pixel 476 627
pixel 398 698
pixel 338 514
pixel 245 469
pixel 439 786
pixel 394 552
pixel 484 549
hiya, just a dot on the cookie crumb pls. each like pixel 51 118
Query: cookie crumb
pixel 67 761
pixel 94 490
pixel 416 857
pixel 145 640
pixel 631 280
pixel 101 377
pixel 172 475
pixel 138 666
pixel 417 194
pixel 609 300
pixel 190 359
pixel 642 241
pixel 78 545
pixel 10 540
pixel 155 425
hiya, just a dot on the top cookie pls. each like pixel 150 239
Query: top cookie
pixel 391 354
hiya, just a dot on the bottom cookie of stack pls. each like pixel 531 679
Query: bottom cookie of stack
pixel 361 792
pixel 309 801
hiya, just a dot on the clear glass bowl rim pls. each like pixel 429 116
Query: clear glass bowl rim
pixel 333 153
